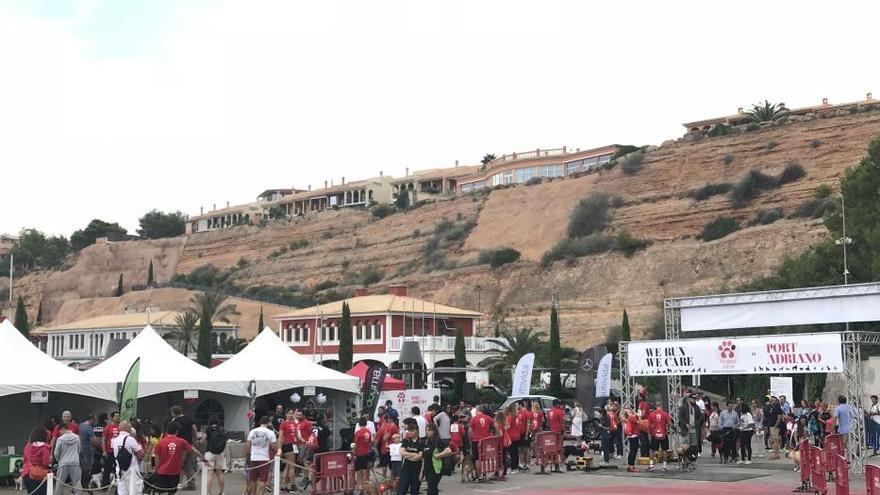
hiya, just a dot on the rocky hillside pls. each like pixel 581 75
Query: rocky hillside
pixel 439 262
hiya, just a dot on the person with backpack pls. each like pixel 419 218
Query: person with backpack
pixel 35 460
pixel 216 453
pixel 128 453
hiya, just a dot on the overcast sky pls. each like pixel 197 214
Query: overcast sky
pixel 110 108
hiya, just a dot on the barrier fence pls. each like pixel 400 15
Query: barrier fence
pixel 833 448
pixel 334 473
pixel 818 479
pixel 841 475
pixel 548 449
pixel 489 454
pixel 872 479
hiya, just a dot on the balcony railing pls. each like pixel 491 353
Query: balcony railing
pixel 444 344
pixel 539 153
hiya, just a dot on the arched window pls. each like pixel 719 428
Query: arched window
pixel 377 330
pixel 359 330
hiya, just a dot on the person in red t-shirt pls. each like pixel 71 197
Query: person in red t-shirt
pixel 632 432
pixel 481 427
pixel 303 432
pixel 537 417
pixel 525 433
pixel 110 431
pixel 386 432
pixel 659 421
pixel 363 449
pixel 556 417
pixel 287 439
pixel 515 434
pixel 169 456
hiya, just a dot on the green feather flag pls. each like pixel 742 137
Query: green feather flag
pixel 129 397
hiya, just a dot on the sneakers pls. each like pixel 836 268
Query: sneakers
pixel 513 471
pixel 603 464
pixel 618 457
pixel 748 462
pixel 740 461
pixel 632 469
pixel 651 468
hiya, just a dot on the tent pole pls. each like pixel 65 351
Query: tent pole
pixel 252 388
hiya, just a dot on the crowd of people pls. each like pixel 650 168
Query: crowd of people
pixel 402 452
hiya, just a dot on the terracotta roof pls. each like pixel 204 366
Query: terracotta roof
pixel 132 320
pixel 383 303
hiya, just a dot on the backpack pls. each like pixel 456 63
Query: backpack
pixel 123 457
pixel 216 440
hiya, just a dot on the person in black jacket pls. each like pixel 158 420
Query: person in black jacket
pixel 433 448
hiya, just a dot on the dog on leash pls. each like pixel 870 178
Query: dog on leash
pixel 16 477
pixel 468 469
pixel 687 457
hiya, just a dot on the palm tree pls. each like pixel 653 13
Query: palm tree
pixel 185 332
pixel 229 345
pixel 512 346
pixel 209 307
pixel 766 112
pixel 488 157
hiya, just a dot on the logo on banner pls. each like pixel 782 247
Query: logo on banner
pixel 587 364
pixel 726 352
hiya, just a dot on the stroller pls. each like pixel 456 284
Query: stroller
pixel 688 452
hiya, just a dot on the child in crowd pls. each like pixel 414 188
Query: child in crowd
pixel 394 453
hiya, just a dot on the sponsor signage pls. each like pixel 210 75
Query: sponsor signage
pixel 374 381
pixel 804 353
pixel 404 400
pixel 39 397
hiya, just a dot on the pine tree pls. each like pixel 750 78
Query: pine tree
pixel 260 324
pixel 460 362
pixel 345 340
pixel 118 292
pixel 150 280
pixel 555 353
pixel 21 318
pixel 624 328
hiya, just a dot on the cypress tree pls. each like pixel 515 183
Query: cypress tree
pixel 150 275
pixel 21 318
pixel 555 353
pixel 460 362
pixel 624 328
pixel 118 291
pixel 345 340
pixel 39 320
pixel 260 324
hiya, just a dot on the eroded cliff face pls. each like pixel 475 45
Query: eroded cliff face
pixel 592 291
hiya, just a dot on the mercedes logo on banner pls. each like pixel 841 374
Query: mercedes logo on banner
pixel 587 364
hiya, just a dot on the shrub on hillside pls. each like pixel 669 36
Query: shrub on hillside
pixel 792 172
pixel 498 257
pixel 727 160
pixel 766 217
pixel 749 187
pixel 628 245
pixel 571 248
pixel 382 211
pixel 624 150
pixel 327 284
pixel 822 191
pixel 719 130
pixel 203 276
pixel 718 228
pixel 591 215
pixel 816 208
pixel 632 163
pixel 772 144
pixel 370 275
pixel 534 181
pixel 710 190
pixel 298 244
pixel 815 143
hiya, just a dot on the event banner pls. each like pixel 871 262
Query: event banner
pixel 522 375
pixel 603 376
pixel 129 396
pixel 404 400
pixel 374 381
pixel 586 376
pixel 805 353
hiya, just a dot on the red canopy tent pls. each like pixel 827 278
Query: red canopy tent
pixel 391 383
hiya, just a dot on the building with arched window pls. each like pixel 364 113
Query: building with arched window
pixel 380 323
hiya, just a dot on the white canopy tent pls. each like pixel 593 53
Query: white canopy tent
pixel 24 369
pixel 162 369
pixel 273 366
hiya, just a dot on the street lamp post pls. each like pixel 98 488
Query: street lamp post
pixel 844 241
